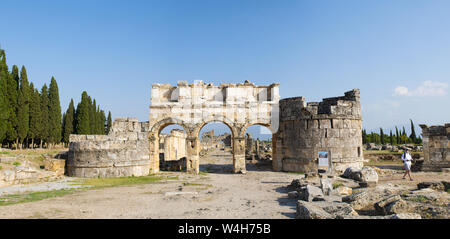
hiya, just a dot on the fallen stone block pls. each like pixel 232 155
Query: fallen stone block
pixel 380 206
pixel 55 165
pixel 342 190
pixel 326 186
pixel 337 209
pixel 308 192
pixel 433 185
pixel 362 200
pixel 306 210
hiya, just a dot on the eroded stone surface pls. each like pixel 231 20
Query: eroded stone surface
pixel 333 126
pixel 124 152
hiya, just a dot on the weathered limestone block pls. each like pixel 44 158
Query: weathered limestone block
pixel 309 192
pixel 344 191
pixel 55 165
pixel 326 186
pixel 307 210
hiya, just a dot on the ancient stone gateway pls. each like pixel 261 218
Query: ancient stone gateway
pixel 194 105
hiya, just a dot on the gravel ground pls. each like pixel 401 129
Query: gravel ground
pixel 65 183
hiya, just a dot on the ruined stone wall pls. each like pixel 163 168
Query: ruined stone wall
pixel 123 152
pixel 436 142
pixel 333 125
pixel 173 146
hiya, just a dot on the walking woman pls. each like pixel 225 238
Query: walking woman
pixel 406 157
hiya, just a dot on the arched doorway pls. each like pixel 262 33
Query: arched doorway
pixel 172 148
pixel 215 148
pixel 258 147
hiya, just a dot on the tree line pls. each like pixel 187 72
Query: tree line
pixel 31 118
pixel 393 138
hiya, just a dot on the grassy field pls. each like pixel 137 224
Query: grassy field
pixel 386 152
pixel 88 183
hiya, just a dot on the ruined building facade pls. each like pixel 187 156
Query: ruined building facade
pixel 194 105
pixel 436 142
pixel 333 125
pixel 173 146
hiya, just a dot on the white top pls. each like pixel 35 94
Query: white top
pixel 406 157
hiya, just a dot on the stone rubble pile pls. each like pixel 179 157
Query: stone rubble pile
pixel 338 198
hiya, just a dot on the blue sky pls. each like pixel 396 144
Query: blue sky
pixel 397 52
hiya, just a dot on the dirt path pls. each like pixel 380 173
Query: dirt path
pixel 260 193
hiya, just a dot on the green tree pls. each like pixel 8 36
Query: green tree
pixel 82 115
pixel 364 136
pixel 35 115
pixel 4 106
pixel 44 129
pixel 13 95
pixel 54 113
pixel 23 115
pixel 391 138
pixel 68 127
pixel 108 122
pixel 413 136
pixel 381 136
pixel 397 135
pixel 102 122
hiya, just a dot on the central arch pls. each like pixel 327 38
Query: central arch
pixel 217 154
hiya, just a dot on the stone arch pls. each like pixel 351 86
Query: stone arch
pixel 246 126
pixel 154 134
pixel 220 119
pixel 156 128
pixel 267 125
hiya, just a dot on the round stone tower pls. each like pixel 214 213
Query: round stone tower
pixel 333 126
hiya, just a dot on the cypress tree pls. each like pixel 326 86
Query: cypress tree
pixel 108 122
pixel 102 123
pixel 397 135
pixel 92 117
pixel 63 126
pixel 4 109
pixel 44 132
pixel 69 122
pixel 35 115
pixel 82 114
pixel 23 109
pixel 413 133
pixel 54 113
pixel 391 137
pixel 13 95
pixel 381 136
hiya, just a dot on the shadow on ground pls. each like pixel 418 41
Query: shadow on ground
pixel 286 201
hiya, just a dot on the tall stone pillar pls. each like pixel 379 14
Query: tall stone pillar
pixel 193 155
pixel 239 155
pixel 154 152
pixel 277 157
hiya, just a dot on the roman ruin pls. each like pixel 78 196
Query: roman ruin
pixel 332 126
pixel 300 131
pixel 194 105
pixel 436 142
pixel 123 152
